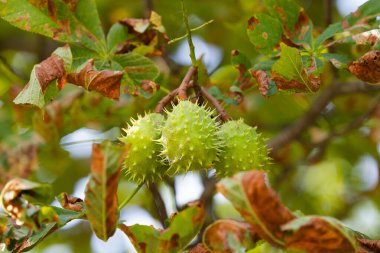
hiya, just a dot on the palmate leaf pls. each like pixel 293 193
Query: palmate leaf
pixel 65 21
pixel 101 190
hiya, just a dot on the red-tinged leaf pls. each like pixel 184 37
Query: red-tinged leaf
pixel 70 202
pixel 106 82
pixel 199 248
pixel 262 80
pixel 101 190
pixel 149 36
pixel 183 227
pixel 53 68
pixel 223 235
pixel 289 72
pixel 368 246
pixel 316 234
pixel 367 68
pixel 69 21
pixel 258 204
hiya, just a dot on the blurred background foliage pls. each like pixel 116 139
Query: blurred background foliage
pixel 54 146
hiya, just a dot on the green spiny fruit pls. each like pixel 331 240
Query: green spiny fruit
pixel 244 149
pixel 143 162
pixel 189 138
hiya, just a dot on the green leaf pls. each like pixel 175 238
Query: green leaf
pixel 290 66
pixel 144 238
pixel 137 67
pixel 369 9
pixel 115 36
pixel 42 75
pixel 287 11
pixel 328 33
pixel 264 32
pixel 101 189
pixel 182 228
pixel 64 21
pixel 340 61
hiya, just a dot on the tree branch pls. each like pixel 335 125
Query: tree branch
pixel 165 101
pixel 186 83
pixel 223 114
pixel 325 97
pixel 159 203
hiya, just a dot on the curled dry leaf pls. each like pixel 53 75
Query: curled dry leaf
pixel 217 237
pixel 71 203
pixel 149 86
pixel 258 204
pixel 367 68
pixel 199 248
pixel 368 246
pixel 106 82
pixel 20 199
pixel 319 234
pixel 148 33
pixel 262 80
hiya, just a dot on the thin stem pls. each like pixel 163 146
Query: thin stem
pixel 186 83
pixel 192 29
pixel 81 142
pixel 159 203
pixel 126 201
pixel 223 114
pixel 166 100
pixel 189 39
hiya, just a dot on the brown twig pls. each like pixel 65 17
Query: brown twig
pixel 159 203
pixel 293 131
pixel 186 83
pixel 165 101
pixel 223 114
pixel 148 7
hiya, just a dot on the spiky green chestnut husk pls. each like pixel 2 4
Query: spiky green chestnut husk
pixel 244 149
pixel 143 162
pixel 189 138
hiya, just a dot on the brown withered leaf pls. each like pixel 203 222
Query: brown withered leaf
pixel 368 246
pixel 266 204
pixel 106 82
pixel 149 86
pixel 199 248
pixel 149 33
pixel 262 80
pixel 319 234
pixel 367 68
pixel 258 204
pixel 283 84
pixel 218 235
pixel 70 202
